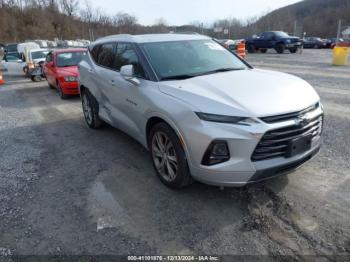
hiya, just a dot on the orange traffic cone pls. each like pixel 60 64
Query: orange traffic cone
pixel 241 50
pixel 2 81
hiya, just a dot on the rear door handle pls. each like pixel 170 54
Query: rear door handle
pixel 112 82
pixel 90 70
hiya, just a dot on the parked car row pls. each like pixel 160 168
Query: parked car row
pixel 281 41
pixel 317 42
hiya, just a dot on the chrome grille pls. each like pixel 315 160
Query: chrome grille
pixel 275 142
pixel 290 116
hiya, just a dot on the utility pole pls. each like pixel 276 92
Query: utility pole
pixel 295 28
pixel 339 31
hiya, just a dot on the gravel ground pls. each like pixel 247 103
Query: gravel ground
pixel 66 189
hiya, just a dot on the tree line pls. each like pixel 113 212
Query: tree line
pixel 67 19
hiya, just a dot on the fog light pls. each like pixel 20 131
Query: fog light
pixel 216 153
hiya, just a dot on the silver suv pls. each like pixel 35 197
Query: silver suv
pixel 202 112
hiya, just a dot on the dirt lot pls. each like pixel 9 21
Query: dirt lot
pixel 66 189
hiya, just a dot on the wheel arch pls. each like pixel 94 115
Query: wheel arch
pixel 159 118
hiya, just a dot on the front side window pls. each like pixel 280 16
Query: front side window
pixel 67 59
pixel 185 59
pixel 126 55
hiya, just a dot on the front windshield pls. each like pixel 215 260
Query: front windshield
pixel 39 54
pixel 69 58
pixel 281 34
pixel 185 59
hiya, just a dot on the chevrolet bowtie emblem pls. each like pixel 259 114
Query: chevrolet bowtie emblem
pixel 302 120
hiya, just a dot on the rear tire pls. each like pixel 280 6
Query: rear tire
pixel 263 50
pixel 280 48
pixel 90 110
pixel 168 157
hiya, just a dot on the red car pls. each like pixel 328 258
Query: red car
pixel 61 70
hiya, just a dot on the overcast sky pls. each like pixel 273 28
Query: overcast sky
pixel 179 12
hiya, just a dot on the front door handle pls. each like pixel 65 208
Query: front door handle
pixel 112 82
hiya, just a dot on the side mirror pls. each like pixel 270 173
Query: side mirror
pixel 127 72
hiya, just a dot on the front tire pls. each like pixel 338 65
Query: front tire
pixel 263 50
pixel 280 48
pixel 251 49
pixel 168 157
pixel 90 110
pixel 36 78
pixel 293 50
pixel 60 92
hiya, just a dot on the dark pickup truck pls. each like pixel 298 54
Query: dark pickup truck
pixel 278 40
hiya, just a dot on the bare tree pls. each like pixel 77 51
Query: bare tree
pixel 69 7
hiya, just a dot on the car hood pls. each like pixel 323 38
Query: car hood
pixel 68 71
pixel 251 92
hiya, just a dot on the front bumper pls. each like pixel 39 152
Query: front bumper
pixel 70 88
pixel 294 45
pixel 240 170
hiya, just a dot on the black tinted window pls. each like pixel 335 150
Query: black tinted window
pixel 106 55
pixel 126 55
pixel 94 52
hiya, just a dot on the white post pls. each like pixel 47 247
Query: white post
pixel 339 31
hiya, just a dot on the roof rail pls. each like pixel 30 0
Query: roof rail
pixel 184 33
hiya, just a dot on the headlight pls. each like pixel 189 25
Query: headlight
pixel 246 121
pixel 288 41
pixel 70 79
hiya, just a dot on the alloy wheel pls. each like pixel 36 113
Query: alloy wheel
pixel 87 109
pixel 164 156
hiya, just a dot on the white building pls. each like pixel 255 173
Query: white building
pixel 346 33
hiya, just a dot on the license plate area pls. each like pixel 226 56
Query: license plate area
pixel 299 145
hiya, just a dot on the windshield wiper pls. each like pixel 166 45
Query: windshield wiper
pixel 227 69
pixel 178 77
pixel 182 77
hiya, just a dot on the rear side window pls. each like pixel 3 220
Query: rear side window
pixel 105 55
pixel 94 52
